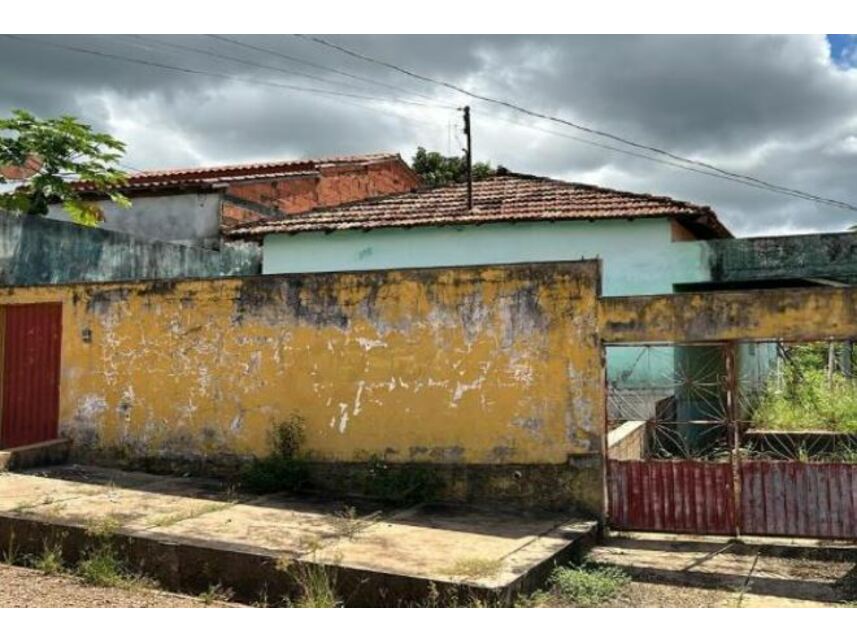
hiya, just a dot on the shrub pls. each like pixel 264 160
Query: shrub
pixel 809 401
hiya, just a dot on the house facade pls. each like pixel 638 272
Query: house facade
pixel 193 206
pixel 641 239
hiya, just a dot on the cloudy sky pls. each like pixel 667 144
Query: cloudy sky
pixel 779 108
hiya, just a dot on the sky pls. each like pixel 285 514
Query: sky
pixel 779 108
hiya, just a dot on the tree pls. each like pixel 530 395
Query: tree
pixel 437 169
pixel 58 149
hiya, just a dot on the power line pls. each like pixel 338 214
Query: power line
pixel 187 70
pixel 640 155
pixel 251 63
pixel 310 63
pixel 529 112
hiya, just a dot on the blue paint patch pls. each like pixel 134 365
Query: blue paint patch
pixel 843 49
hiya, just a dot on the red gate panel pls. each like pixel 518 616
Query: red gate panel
pixel 801 499
pixel 687 496
pixel 31 374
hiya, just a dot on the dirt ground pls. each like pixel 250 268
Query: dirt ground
pixel 24 587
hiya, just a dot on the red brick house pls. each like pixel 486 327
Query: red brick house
pixel 194 206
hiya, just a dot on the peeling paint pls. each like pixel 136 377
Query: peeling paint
pixel 474 365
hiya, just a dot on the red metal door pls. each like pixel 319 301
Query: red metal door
pixel 31 374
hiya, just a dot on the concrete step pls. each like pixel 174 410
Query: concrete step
pixel 41 454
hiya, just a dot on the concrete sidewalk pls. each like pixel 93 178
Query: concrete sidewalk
pixel 762 572
pixel 190 532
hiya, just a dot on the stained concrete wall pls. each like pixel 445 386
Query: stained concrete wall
pixel 186 219
pixel 35 250
pixel 494 366
pixel 793 314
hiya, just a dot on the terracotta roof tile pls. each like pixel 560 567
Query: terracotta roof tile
pixel 505 197
pixel 210 176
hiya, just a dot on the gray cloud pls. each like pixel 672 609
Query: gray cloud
pixel 775 107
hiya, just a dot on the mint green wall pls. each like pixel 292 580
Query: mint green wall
pixel 638 256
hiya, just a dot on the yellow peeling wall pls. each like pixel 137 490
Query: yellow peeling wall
pixel 788 314
pixel 473 365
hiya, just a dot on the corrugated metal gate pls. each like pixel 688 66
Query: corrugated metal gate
pixel 31 373
pixel 698 468
pixel 680 496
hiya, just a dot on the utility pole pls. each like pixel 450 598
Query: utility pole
pixel 468 157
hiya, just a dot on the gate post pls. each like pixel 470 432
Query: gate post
pixel 733 427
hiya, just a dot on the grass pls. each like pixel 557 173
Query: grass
pixel 473 568
pixel 216 594
pixel 101 565
pixel 50 561
pixel 174 518
pixel 10 553
pixel 808 400
pixel 316 584
pixel 586 585
pixel 348 523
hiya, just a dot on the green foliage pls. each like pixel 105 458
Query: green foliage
pixel 437 169
pixel 807 398
pixel 282 469
pixel 50 561
pixel 216 594
pixel 103 568
pixel 315 582
pixel 588 585
pixel 64 148
pixel 403 485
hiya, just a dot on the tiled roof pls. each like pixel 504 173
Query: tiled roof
pixel 206 177
pixel 504 197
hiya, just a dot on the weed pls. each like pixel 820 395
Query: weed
pixel 316 583
pixel 348 523
pixel 103 568
pixel 103 528
pixel 195 512
pixel 282 469
pixel 32 504
pixel 10 554
pixel 473 568
pixel 101 564
pixel 588 585
pixel 216 594
pixel 50 561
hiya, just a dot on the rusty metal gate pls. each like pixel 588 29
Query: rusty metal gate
pixel 694 447
pixel 31 371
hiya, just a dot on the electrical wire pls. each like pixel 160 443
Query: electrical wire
pixel 250 63
pixel 596 132
pixel 640 155
pixel 188 70
pixel 332 70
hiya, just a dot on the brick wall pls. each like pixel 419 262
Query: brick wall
pixel 331 185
